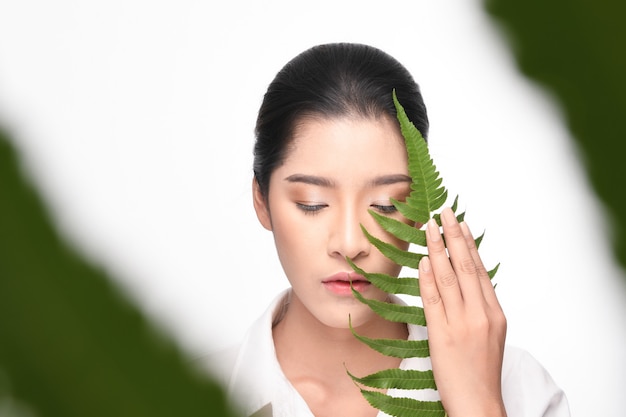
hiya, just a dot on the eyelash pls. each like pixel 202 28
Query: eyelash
pixel 311 209
pixel 385 209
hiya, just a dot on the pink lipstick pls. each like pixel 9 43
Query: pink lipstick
pixel 339 283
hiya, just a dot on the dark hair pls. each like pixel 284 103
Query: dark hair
pixel 330 80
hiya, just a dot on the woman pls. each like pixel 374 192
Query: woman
pixel 328 149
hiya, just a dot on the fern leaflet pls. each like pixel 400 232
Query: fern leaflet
pixel 426 197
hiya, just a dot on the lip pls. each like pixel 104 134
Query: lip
pixel 339 283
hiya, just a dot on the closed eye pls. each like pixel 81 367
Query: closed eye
pixel 385 209
pixel 311 208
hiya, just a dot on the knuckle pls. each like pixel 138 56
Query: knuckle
pixel 482 324
pixel 448 279
pixel 482 272
pixel 501 321
pixel 432 299
pixel 486 323
pixel 468 266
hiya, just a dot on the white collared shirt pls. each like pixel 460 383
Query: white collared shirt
pixel 257 385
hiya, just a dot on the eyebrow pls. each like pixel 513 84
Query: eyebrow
pixel 328 183
pixel 390 179
pixel 311 180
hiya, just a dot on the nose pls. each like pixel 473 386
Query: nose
pixel 346 237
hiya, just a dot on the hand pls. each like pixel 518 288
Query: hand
pixel 466 325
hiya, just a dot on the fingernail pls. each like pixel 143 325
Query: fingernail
pixel 425 264
pixel 433 230
pixel 447 215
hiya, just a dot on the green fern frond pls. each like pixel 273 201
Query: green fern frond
pixel 398 378
pixel 401 230
pixel 408 211
pixel 426 197
pixel 399 256
pixel 396 348
pixel 459 217
pixel 479 239
pixel 492 273
pixel 401 406
pixel 394 312
pixel 389 284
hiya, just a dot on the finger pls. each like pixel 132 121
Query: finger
pixel 461 258
pixel 485 282
pixel 431 299
pixel 445 278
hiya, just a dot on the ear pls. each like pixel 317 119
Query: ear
pixel 261 206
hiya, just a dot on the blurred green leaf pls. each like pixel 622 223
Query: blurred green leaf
pixel 71 344
pixel 574 50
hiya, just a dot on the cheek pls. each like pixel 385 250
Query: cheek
pixel 296 242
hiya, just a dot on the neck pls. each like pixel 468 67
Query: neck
pixel 326 349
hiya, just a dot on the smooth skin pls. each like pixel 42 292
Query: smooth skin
pixel 466 325
pixel 334 172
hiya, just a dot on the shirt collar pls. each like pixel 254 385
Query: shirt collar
pixel 258 377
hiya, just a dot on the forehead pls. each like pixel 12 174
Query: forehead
pixel 372 142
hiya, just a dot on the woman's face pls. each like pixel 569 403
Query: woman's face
pixel 334 172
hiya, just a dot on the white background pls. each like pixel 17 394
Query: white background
pixel 135 118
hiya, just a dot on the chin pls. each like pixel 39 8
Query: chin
pixel 358 314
